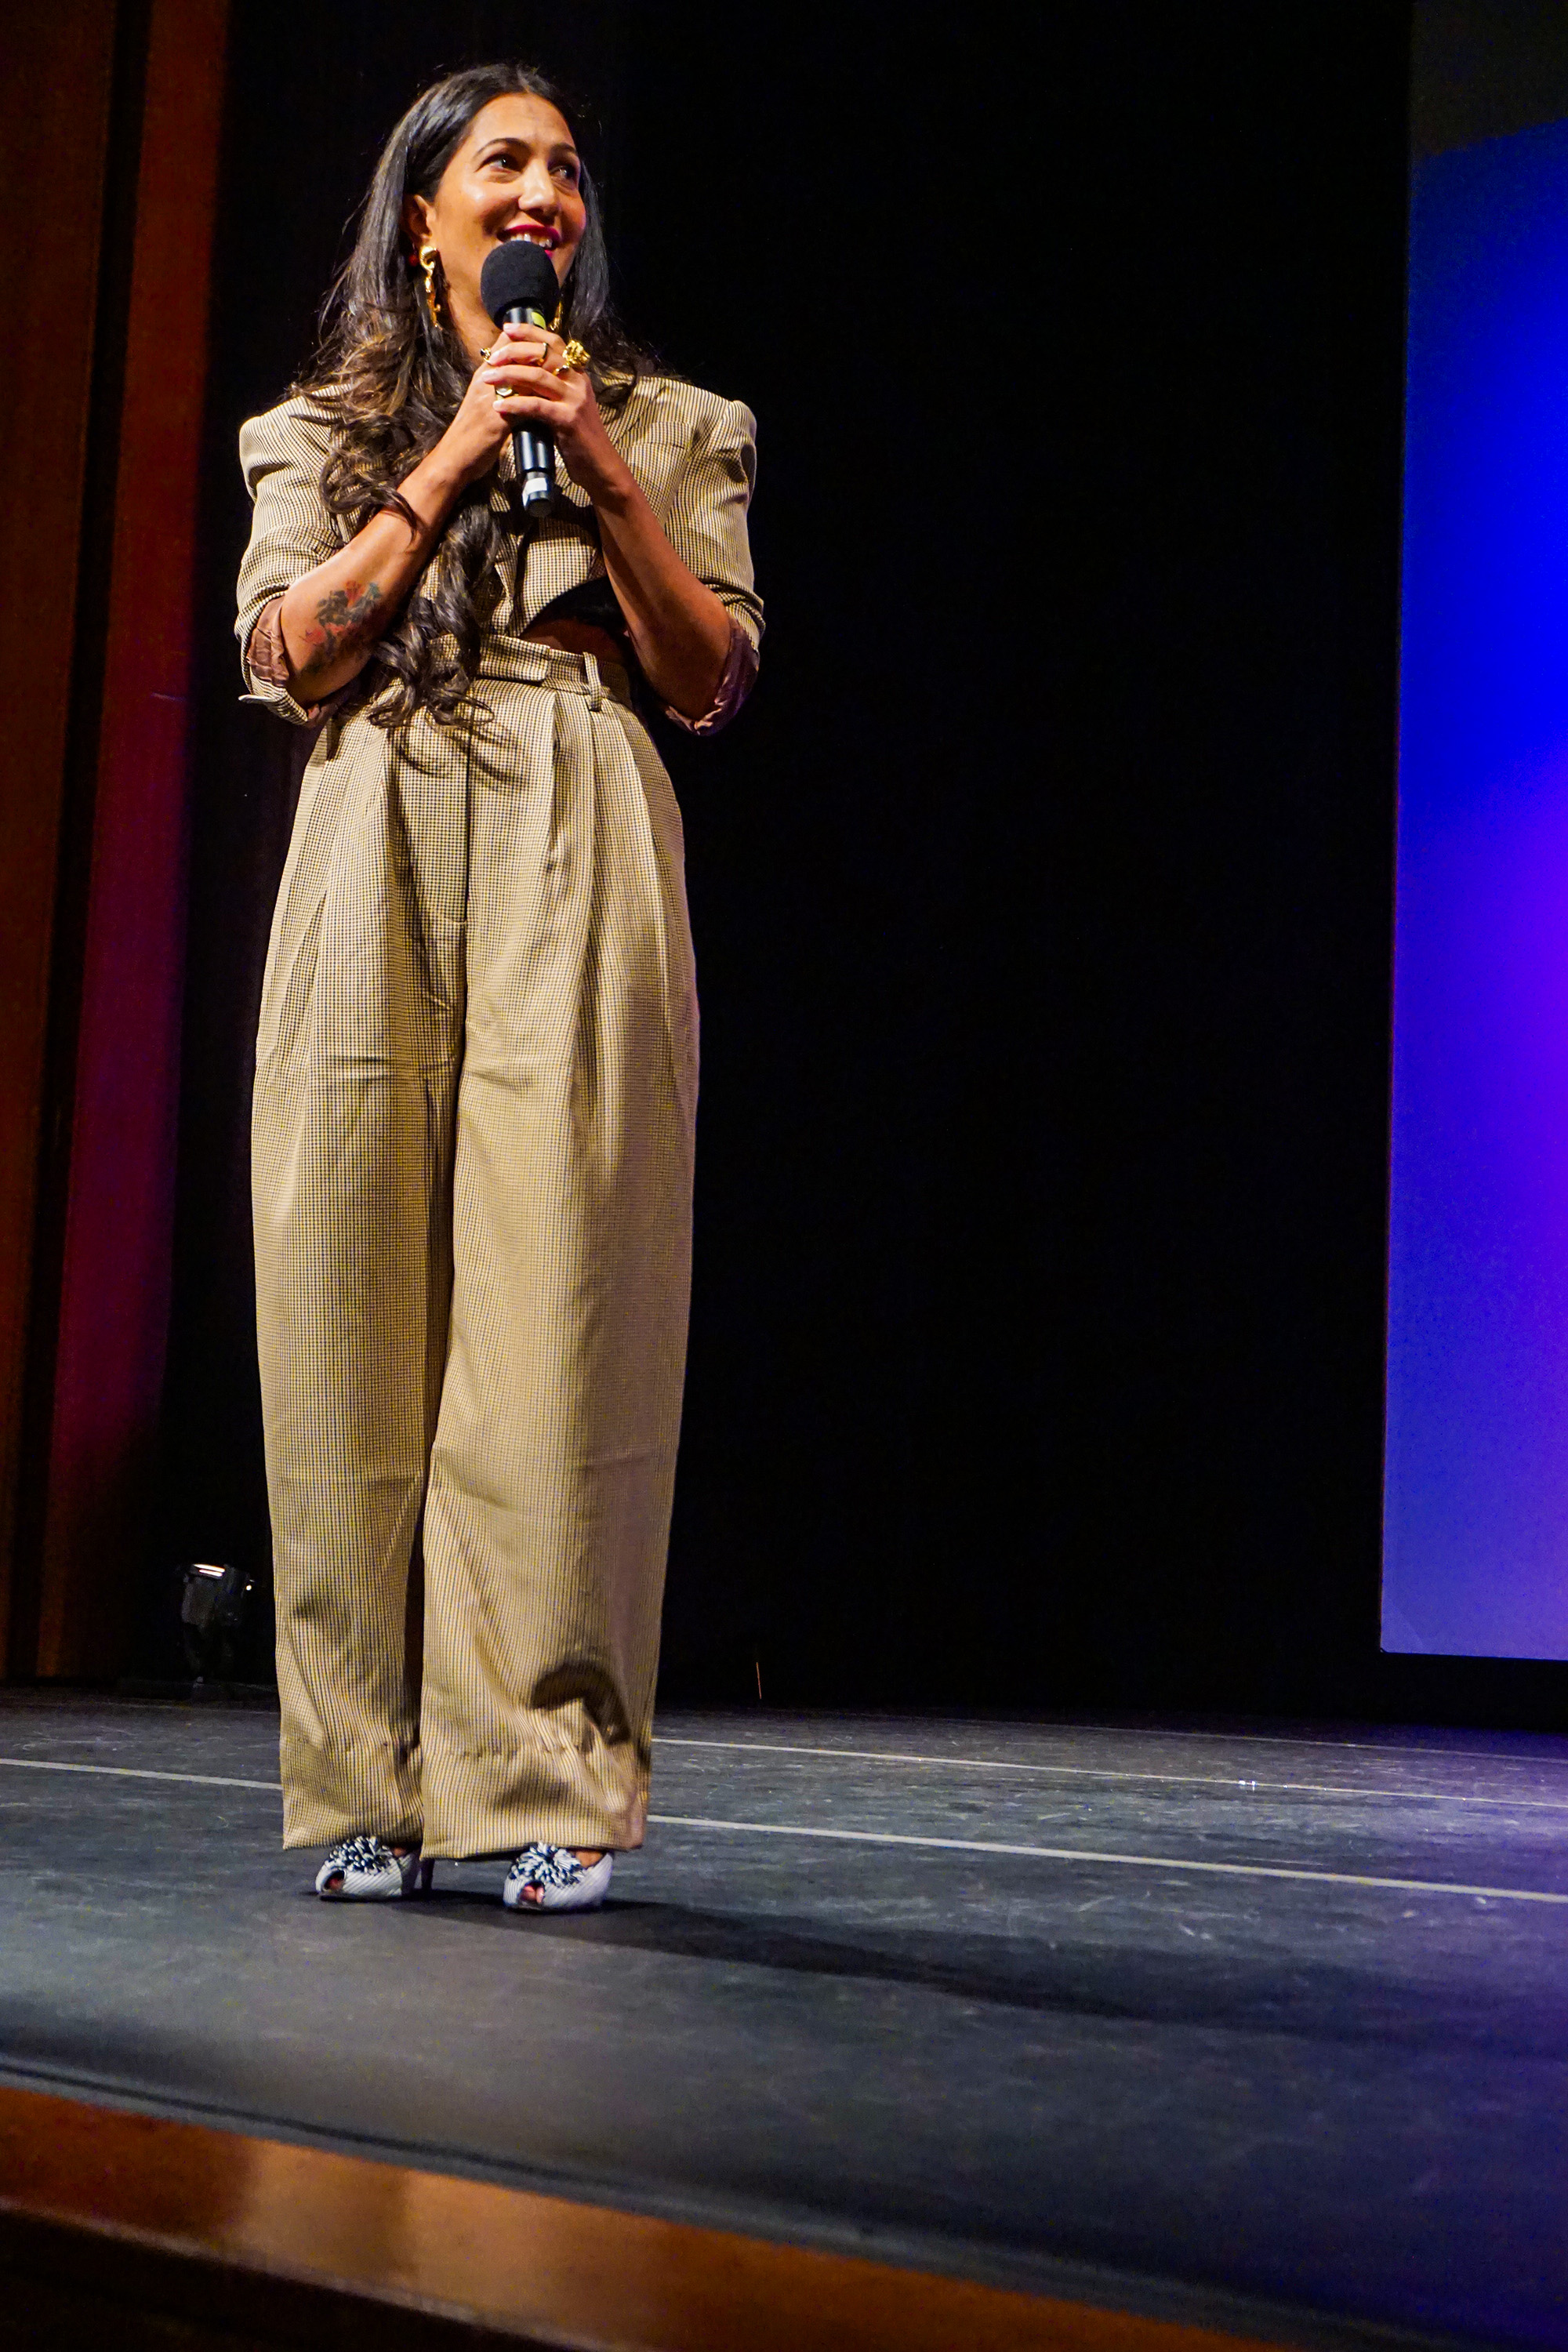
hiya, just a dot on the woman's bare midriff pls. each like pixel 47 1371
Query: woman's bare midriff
pixel 569 636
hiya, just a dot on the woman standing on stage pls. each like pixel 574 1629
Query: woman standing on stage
pixel 476 1064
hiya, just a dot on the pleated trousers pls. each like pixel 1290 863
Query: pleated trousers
pixel 472 1159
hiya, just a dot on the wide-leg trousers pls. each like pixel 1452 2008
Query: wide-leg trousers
pixel 472 1156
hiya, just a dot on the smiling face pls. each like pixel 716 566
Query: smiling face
pixel 516 174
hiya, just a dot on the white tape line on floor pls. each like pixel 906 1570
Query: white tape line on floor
pixel 1110 1772
pixel 929 1844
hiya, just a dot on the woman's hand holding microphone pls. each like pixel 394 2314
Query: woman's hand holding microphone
pixel 679 629
pixel 529 376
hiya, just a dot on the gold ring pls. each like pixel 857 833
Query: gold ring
pixel 505 392
pixel 573 357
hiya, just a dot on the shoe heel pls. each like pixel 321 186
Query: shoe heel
pixel 417 1874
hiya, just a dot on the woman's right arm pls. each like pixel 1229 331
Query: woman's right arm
pixel 332 616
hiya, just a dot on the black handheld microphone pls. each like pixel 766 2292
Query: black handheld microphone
pixel 518 287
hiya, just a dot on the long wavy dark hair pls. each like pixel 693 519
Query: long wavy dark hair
pixel 388 381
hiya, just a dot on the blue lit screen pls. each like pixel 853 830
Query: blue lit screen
pixel 1476 1519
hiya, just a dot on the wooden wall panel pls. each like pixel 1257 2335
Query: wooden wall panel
pixel 114 1287
pixel 54 131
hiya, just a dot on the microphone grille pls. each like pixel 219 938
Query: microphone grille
pixel 519 273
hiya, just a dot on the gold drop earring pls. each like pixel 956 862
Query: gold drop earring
pixel 428 259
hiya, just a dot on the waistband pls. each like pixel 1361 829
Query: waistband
pixel 520 663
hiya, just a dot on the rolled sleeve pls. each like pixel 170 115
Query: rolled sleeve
pixel 282 456
pixel 736 680
pixel 706 525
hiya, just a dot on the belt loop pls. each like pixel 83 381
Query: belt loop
pixel 595 684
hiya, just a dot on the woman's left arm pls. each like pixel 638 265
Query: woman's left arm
pixel 680 629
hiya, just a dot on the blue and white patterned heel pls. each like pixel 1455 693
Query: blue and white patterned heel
pixel 564 1882
pixel 367 1871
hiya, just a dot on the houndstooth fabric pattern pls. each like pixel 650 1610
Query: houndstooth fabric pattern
pixel 693 454
pixel 472 1154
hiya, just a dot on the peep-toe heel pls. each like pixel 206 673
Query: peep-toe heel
pixel 562 1883
pixel 367 1870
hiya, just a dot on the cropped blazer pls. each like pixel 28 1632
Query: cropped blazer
pixel 692 453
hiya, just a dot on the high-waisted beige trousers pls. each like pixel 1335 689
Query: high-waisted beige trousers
pixel 474 1096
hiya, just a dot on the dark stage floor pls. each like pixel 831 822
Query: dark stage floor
pixel 1218 2023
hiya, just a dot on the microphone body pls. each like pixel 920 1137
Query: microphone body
pixel 531 446
pixel 515 285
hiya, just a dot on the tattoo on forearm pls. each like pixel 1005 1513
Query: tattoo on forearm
pixel 343 620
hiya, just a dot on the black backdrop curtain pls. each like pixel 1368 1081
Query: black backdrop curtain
pixel 1041 896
